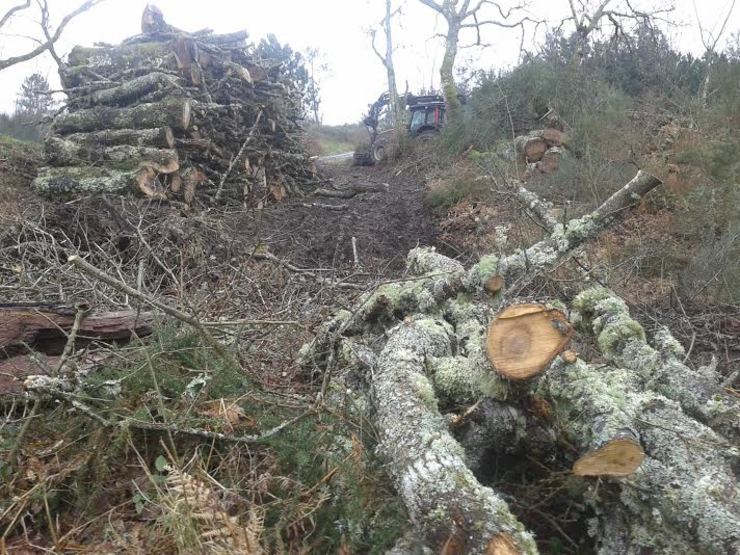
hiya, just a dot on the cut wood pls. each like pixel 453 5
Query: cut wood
pixel 619 456
pixel 128 91
pixel 221 104
pixel 63 152
pixel 525 338
pixel 43 327
pixel 174 113
pixel 531 147
pixel 161 137
pixel 550 161
pixel 668 496
pixel 75 180
pixel 451 510
pixel 554 137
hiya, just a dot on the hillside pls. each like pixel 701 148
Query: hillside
pixel 516 334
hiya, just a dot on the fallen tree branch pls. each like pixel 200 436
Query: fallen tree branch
pixel 98 274
pixel 44 386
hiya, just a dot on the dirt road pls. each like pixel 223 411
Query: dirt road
pixel 386 216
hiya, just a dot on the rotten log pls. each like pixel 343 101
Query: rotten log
pixel 63 152
pixel 44 327
pixel 174 113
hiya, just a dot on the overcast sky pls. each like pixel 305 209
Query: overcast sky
pixel 337 27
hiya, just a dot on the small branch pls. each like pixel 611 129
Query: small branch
pixel 238 156
pixel 98 274
pixel 82 311
pixel 49 42
pixel 12 11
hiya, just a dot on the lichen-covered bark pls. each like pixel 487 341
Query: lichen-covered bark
pixel 155 54
pixel 161 137
pixel 174 113
pixel 445 501
pixel 683 494
pixel 56 182
pixel 128 91
pixel 467 375
pixel 622 341
pixel 563 239
pixel 63 152
pixel 541 208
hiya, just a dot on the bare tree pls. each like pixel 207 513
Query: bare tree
pixel 387 59
pixel 588 18
pixel 50 36
pixel 462 15
pixel 710 41
pixel 316 68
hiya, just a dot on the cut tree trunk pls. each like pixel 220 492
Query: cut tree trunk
pixel 128 91
pixel 126 56
pixel 531 147
pixel 550 161
pixel 676 485
pixel 174 113
pixel 63 152
pixel 450 509
pixel 161 137
pixel 76 180
pixel 524 338
pixel 44 327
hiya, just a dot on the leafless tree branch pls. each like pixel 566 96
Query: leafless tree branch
pixel 52 38
pixel 12 11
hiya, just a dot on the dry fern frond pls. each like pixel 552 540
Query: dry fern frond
pixel 200 513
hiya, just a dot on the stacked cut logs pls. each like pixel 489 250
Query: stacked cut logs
pixel 541 150
pixel 176 115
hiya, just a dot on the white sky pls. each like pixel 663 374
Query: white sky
pixel 337 27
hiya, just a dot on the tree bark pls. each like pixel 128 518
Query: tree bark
pixel 63 152
pixel 447 71
pixel 77 180
pixel 44 327
pixel 160 137
pixel 682 498
pixel 127 92
pixel 623 343
pixel 451 510
pixel 125 56
pixel 174 113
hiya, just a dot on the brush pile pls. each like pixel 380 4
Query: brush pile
pixel 176 115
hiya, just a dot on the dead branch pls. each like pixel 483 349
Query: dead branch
pixel 52 39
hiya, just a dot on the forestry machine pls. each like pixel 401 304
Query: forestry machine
pixel 425 120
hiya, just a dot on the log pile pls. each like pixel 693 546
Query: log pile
pixel 541 150
pixel 461 376
pixel 176 115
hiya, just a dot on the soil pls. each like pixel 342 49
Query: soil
pixel 385 224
